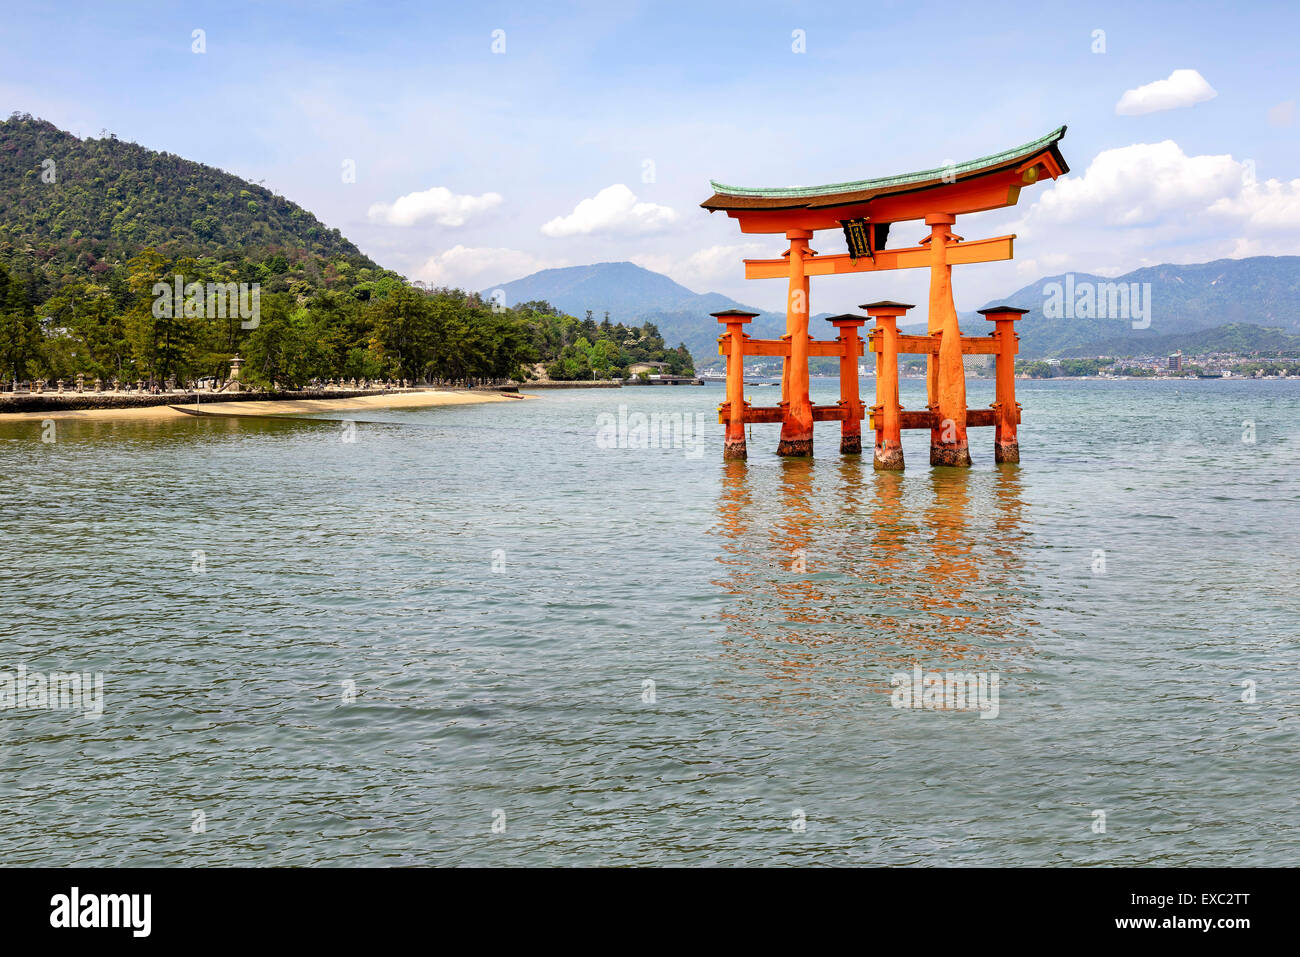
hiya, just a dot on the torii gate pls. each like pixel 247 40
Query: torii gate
pixel 865 210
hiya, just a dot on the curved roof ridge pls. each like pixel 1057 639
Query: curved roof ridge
pixel 795 192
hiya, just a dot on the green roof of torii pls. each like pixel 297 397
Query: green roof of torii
pixel 885 182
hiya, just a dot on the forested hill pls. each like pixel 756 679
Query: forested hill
pixel 56 188
pixel 96 234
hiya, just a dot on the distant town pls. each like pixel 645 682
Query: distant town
pixel 1213 365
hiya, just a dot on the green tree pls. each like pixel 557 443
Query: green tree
pixel 20 337
pixel 284 349
pixel 404 328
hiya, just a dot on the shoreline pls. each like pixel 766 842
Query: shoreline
pixel 573 384
pixel 279 404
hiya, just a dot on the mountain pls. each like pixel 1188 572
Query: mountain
pixel 76 210
pixel 1261 291
pixel 623 288
pixel 635 295
pixel 57 188
pixel 89 228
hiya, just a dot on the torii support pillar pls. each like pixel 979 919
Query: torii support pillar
pixel 797 420
pixel 850 398
pixel 734 339
pixel 946 379
pixel 887 413
pixel 1006 445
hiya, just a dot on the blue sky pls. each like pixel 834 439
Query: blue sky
pixel 495 151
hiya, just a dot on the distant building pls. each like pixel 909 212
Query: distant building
pixel 1176 362
pixel 654 368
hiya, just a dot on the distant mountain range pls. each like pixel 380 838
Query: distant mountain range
pixel 635 295
pixel 1259 291
pixel 1192 307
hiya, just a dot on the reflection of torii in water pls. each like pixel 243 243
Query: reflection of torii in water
pixel 817 593
pixel 865 210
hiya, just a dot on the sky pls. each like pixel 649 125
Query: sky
pixel 470 144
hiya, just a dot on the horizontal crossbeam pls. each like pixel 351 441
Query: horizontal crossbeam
pixel 925 419
pixel 781 347
pixel 910 257
pixel 929 345
pixel 776 414
pixel 908 419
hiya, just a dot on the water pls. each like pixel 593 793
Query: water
pixel 515 696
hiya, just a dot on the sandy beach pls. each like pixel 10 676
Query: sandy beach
pixel 396 400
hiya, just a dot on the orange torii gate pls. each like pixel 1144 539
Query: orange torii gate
pixel 865 210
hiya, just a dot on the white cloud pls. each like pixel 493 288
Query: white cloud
pixel 1137 184
pixel 1243 248
pixel 1283 114
pixel 1272 206
pixel 473 268
pixel 1183 88
pixel 720 263
pixel 439 204
pixel 1150 203
pixel 613 209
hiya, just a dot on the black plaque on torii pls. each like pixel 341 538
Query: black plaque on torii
pixel 864 239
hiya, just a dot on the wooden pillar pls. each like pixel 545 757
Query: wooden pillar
pixel 946 375
pixel 850 395
pixel 1006 445
pixel 733 342
pixel 796 422
pixel 887 413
